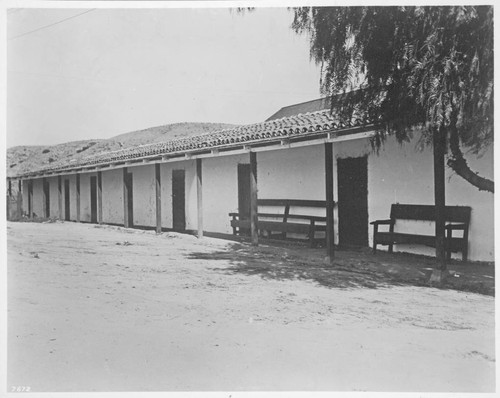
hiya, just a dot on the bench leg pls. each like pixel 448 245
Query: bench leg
pixel 375 230
pixel 311 234
pixel 391 247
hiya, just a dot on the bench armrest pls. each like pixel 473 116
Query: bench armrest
pixel 381 222
pixel 233 214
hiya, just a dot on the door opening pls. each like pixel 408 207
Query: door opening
pixel 66 200
pixel 93 200
pixel 46 193
pixel 129 180
pixel 353 201
pixel 244 195
pixel 178 200
pixel 30 198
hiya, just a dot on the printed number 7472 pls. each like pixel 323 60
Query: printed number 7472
pixel 21 389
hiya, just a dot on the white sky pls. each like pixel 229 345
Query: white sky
pixel 111 71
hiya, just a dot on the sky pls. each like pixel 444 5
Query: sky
pixel 87 73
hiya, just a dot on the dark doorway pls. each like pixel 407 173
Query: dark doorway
pixel 93 200
pixel 178 200
pixel 353 201
pixel 46 194
pixel 66 200
pixel 129 181
pixel 30 198
pixel 244 194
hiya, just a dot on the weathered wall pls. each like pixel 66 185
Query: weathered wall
pixel 220 191
pixel 296 173
pixel 24 192
pixel 38 197
pixel 72 196
pixel 112 196
pixel 144 201
pixel 398 174
pixel 53 193
pixel 402 174
pixel 85 211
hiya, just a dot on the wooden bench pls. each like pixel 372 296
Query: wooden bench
pixel 285 222
pixel 457 216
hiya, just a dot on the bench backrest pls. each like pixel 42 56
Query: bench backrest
pixel 459 214
pixel 291 202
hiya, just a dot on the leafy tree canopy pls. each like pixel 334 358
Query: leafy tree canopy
pixel 429 68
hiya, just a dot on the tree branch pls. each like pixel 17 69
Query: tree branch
pixel 459 165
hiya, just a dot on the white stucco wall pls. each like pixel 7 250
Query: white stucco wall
pixel 166 194
pixel 398 174
pixel 402 174
pixel 143 191
pixel 38 197
pixel 53 193
pixel 25 196
pixel 72 196
pixel 112 196
pixel 295 173
pixel 220 191
pixel 85 211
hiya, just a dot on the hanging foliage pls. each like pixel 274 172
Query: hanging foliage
pixel 425 68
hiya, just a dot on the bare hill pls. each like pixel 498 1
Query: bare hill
pixel 23 159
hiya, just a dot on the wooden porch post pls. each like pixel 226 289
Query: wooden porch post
pixel 253 199
pixel 59 196
pixel 439 148
pixel 199 196
pixel 99 197
pixel 158 197
pixel 10 186
pixel 126 221
pixel 78 198
pixel 330 236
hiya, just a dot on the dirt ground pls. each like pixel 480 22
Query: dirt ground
pixel 101 308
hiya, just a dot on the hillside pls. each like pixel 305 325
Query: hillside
pixel 23 159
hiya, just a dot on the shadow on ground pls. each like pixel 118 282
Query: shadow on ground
pixel 349 269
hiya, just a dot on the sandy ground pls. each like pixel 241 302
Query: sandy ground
pixel 100 308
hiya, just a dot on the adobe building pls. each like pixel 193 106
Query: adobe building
pixel 301 153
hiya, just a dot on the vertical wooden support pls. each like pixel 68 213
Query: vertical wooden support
pixel 199 196
pixel 44 198
pixel 439 148
pixel 78 198
pixel 158 197
pixel 20 199
pixel 99 197
pixel 126 221
pixel 10 187
pixel 253 199
pixel 59 197
pixel 330 250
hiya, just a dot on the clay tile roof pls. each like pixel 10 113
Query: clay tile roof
pixel 300 125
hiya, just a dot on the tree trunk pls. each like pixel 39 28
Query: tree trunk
pixel 459 165
pixel 439 148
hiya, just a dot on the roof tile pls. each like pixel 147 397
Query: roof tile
pixel 305 124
